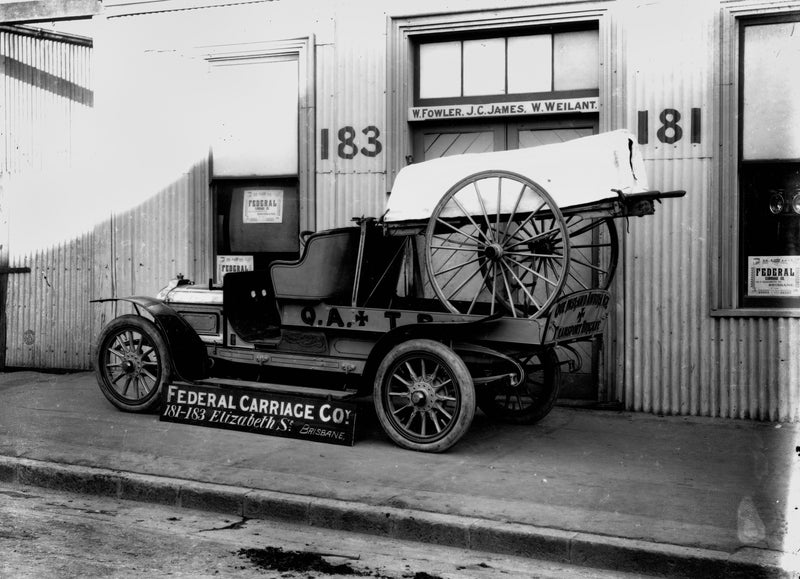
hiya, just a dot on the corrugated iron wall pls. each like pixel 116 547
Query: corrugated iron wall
pixel 47 99
pixel 351 93
pixel 677 358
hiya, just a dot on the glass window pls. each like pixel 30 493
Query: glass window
pixel 530 64
pixel 575 60
pixel 508 66
pixel 485 67
pixel 255 117
pixel 771 97
pixel 769 164
pixel 440 70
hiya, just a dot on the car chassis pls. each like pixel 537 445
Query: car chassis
pixel 473 305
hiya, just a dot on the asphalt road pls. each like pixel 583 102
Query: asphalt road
pixel 52 534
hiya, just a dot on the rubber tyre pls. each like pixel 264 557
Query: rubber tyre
pixel 134 343
pixel 540 393
pixel 448 401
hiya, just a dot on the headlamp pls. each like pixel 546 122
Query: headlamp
pixel 777 203
pixel 796 202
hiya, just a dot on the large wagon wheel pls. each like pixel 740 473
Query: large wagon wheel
pixel 497 242
pixel 594 251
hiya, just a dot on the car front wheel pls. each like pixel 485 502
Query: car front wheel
pixel 132 363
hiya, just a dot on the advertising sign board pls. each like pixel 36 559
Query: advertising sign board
pixel 577 316
pixel 260 412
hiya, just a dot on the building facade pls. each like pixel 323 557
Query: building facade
pixel 306 109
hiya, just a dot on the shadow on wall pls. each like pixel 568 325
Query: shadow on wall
pixel 80 246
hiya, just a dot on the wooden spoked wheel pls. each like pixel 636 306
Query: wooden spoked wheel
pixel 497 243
pixel 594 251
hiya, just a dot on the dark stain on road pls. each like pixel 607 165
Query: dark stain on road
pixel 276 559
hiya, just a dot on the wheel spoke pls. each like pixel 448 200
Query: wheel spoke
pixel 435 422
pixel 589 265
pixel 522 286
pixel 508 291
pixel 535 237
pixel 411 372
pixel 592 225
pixel 401 379
pixel 458 266
pixel 479 292
pixel 528 218
pixel 443 384
pixel 464 247
pixel 483 210
pixel 457 230
pixel 513 212
pixel 543 278
pixel 469 217
pixel 463 283
pixel 127 384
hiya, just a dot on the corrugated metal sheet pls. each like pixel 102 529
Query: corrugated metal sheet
pixel 46 91
pixel 677 358
pixel 47 99
pixel 665 341
pixel 355 66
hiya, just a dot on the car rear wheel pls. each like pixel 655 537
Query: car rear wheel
pixel 531 401
pixel 132 363
pixel 424 396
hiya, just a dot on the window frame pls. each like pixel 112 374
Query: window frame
pixel 725 250
pixel 301 49
pixel 551 28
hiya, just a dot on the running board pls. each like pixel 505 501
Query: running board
pixel 275 388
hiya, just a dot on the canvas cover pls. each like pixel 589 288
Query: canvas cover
pixel 573 173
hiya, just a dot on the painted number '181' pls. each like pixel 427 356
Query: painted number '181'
pixel 670 126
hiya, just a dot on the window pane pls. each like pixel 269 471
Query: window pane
pixel 440 70
pixel 575 60
pixel 255 118
pixel 771 104
pixel 530 63
pixel 485 67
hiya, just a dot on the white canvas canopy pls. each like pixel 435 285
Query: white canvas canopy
pixel 573 173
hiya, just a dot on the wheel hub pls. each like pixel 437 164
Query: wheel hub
pixel 493 251
pixel 128 366
pixel 423 396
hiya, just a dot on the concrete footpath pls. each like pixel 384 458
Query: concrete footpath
pixel 670 496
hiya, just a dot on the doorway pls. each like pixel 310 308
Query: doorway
pixel 444 140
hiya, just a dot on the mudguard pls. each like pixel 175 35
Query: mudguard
pixel 189 356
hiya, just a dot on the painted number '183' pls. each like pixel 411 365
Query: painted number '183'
pixel 351 144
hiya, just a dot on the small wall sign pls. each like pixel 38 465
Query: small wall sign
pixel 231 263
pixel 773 276
pixel 263 206
pixel 261 412
pixel 504 109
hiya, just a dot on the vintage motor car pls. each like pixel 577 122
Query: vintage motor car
pixel 468 292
